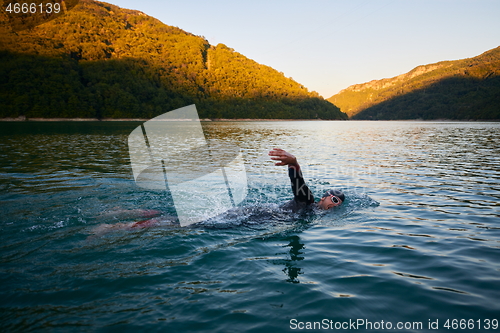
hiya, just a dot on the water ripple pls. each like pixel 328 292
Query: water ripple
pixel 417 238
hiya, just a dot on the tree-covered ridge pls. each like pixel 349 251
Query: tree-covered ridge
pixel 461 89
pixel 103 61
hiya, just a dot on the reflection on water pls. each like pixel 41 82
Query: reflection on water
pixel 292 268
pixel 420 223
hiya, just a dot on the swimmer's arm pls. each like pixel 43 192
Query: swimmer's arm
pixel 299 188
pixel 301 191
pixel 284 157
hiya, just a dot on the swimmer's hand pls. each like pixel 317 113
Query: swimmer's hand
pixel 284 157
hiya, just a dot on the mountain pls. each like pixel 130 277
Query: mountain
pixel 102 61
pixel 461 89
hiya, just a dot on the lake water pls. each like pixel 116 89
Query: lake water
pixel 417 241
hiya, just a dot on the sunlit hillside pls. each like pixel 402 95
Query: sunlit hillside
pixel 461 89
pixel 102 61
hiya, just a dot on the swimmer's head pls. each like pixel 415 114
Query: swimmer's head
pixel 331 198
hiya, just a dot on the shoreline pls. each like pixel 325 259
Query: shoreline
pixel 24 119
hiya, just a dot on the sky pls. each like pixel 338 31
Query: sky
pixel 328 45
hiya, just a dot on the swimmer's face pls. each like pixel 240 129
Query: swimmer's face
pixel 329 202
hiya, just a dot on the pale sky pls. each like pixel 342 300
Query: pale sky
pixel 328 45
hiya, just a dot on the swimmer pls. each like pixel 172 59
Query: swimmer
pixel 147 219
pixel 302 199
pixel 302 196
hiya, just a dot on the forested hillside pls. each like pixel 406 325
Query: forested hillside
pixel 102 61
pixel 461 89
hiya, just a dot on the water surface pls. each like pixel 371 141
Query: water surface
pixel 428 251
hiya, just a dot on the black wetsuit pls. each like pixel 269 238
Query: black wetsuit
pixel 302 196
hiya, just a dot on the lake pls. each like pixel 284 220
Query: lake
pixel 415 246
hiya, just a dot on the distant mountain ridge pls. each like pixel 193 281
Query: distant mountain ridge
pixel 460 89
pixel 102 61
